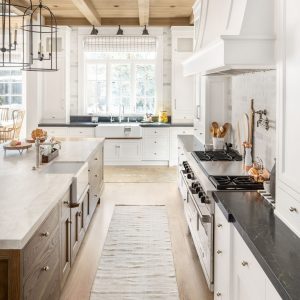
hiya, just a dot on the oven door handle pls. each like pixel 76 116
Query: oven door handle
pixel 203 218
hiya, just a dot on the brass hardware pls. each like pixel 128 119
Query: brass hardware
pixel 96 158
pixel 45 234
pixel 66 202
pixel 96 175
pixel 79 214
pixel 293 209
pixel 244 263
pixel 219 294
pixel 46 268
pixel 219 251
pixel 219 225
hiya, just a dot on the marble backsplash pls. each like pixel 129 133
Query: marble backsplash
pixel 262 88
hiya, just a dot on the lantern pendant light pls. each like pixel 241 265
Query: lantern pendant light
pixel 11 49
pixel 43 40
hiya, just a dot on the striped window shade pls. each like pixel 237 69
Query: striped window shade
pixel 120 44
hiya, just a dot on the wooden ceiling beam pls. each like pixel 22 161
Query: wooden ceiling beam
pixel 87 8
pixel 144 11
pixel 180 21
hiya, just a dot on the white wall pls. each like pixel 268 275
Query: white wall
pixel 262 88
pixel 163 104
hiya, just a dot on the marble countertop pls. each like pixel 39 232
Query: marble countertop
pixel 28 196
pixel 274 245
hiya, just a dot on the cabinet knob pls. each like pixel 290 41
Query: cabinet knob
pixel 45 233
pixel 244 263
pixel 79 214
pixel 293 209
pixel 96 175
pixel 95 195
pixel 46 268
pixel 219 251
pixel 218 294
pixel 66 203
pixel 96 158
pixel 219 225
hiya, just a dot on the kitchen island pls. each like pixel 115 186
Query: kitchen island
pixel 37 220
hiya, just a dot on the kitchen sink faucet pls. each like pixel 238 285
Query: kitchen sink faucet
pixel 121 113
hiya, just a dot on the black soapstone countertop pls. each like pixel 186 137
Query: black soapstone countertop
pixel 275 246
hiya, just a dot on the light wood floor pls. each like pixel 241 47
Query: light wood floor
pixel 190 279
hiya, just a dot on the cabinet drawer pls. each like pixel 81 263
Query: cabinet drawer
pixel 56 131
pixel 288 209
pixel 82 131
pixel 249 278
pixel 40 240
pixel 45 272
pixel 159 132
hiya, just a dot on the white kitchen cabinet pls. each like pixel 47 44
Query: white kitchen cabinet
pixel 237 273
pixel 56 131
pixel 212 102
pixel 288 108
pixel 222 256
pixel 55 102
pixel 248 278
pixel 182 86
pixel 155 145
pixel 174 132
pixel 82 132
pixel 122 152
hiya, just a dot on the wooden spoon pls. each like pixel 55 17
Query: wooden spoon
pixel 226 128
pixel 215 125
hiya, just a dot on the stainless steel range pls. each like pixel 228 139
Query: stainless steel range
pixel 196 187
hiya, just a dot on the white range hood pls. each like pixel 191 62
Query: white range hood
pixel 232 37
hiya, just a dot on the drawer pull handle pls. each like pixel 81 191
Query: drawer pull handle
pixel 293 209
pixel 96 175
pixel 219 251
pixel 45 234
pixel 46 268
pixel 219 294
pixel 79 214
pixel 244 263
pixel 96 158
pixel 67 203
pixel 219 225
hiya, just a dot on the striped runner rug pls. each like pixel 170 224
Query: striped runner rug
pixel 137 261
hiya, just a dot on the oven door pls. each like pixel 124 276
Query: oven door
pixel 201 227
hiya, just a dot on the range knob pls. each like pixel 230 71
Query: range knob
pixel 204 199
pixel 198 189
pixel 195 184
pixel 200 194
pixel 191 176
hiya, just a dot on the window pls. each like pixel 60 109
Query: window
pixel 114 80
pixel 10 87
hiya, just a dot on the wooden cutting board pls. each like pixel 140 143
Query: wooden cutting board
pixel 20 148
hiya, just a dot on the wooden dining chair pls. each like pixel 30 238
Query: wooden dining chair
pixel 4 113
pixel 12 132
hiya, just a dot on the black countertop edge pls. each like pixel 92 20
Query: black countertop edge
pixel 90 124
pixel 272 243
pixel 72 124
